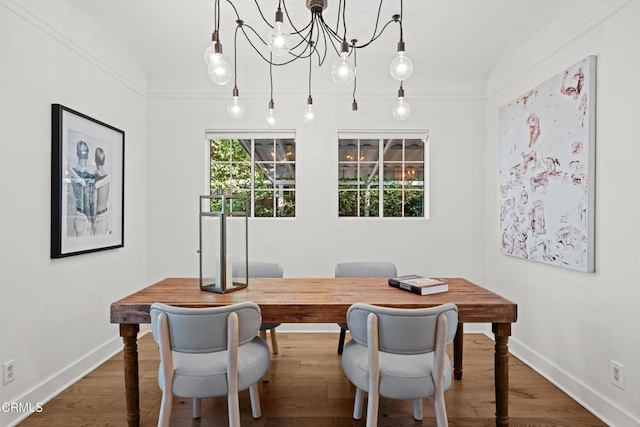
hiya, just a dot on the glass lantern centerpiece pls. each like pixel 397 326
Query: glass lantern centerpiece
pixel 223 242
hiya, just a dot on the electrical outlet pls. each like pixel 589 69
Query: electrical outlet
pixel 8 372
pixel 617 374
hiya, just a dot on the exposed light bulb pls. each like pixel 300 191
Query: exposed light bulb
pixel 235 109
pixel 219 70
pixel 401 67
pixel 271 120
pixel 309 115
pixel 343 71
pixel 401 110
pixel 278 41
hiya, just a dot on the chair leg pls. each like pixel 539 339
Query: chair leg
pixel 274 340
pixel 358 406
pixel 372 409
pixel 343 333
pixel 165 409
pixel 417 409
pixel 233 405
pixel 196 407
pixel 254 396
pixel 441 409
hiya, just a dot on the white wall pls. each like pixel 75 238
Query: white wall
pixel 572 324
pixel 449 243
pixel 55 313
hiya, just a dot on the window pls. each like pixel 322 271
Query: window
pixel 382 176
pixel 261 168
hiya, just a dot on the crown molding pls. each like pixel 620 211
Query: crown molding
pixel 587 25
pixel 186 95
pixel 65 41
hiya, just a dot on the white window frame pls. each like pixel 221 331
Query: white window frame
pixel 252 135
pixel 381 135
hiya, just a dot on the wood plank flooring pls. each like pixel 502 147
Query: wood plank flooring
pixel 308 388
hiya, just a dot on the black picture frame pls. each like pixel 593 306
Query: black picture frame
pixel 87 184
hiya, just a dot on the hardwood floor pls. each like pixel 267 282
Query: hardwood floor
pixel 308 388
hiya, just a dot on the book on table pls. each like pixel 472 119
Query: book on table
pixel 418 284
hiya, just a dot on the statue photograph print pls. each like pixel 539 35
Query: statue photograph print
pixel 87 187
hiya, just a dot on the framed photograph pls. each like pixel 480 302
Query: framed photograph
pixel 87 184
pixel 547 170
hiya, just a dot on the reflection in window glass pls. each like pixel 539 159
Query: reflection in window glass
pixel 381 177
pixel 261 169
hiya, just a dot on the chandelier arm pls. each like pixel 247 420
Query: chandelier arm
pixel 324 35
pixel 334 34
pixel 258 50
pixel 271 75
pixel 284 4
pixel 254 32
pixel 261 14
pixel 376 37
pixel 338 21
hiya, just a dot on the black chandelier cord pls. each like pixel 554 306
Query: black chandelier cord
pixel 329 35
pixel 284 4
pixel 344 19
pixel 310 76
pixel 271 77
pixel 261 14
pixel 355 64
pixel 401 17
pixel 235 56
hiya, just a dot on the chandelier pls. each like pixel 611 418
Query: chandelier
pixel 281 44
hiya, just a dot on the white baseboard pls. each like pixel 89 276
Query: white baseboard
pixel 593 401
pixel 56 384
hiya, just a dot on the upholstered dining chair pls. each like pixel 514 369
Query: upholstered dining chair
pixel 399 354
pixel 262 269
pixel 209 352
pixel 362 269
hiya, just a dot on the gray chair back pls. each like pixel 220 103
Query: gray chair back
pixel 258 269
pixel 204 330
pixel 366 269
pixel 402 331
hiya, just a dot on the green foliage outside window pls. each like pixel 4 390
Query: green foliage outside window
pixel 273 182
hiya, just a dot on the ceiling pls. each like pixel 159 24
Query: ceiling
pixel 448 40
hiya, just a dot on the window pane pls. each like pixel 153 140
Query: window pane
pixel 368 150
pixel 392 203
pixel 393 175
pixel 285 150
pixel 414 150
pixel 285 173
pixel 264 150
pixel 392 150
pixel 220 176
pixel 241 176
pixel 369 203
pixel 369 175
pixel 241 150
pixel 220 150
pixel 240 205
pixel 347 175
pixel 348 203
pixel 287 204
pixel 264 203
pixel 348 150
pixel 414 175
pixel 413 203
pixel 263 173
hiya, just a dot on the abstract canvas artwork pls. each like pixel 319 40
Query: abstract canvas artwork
pixel 547 157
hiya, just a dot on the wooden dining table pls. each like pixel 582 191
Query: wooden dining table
pixel 320 300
